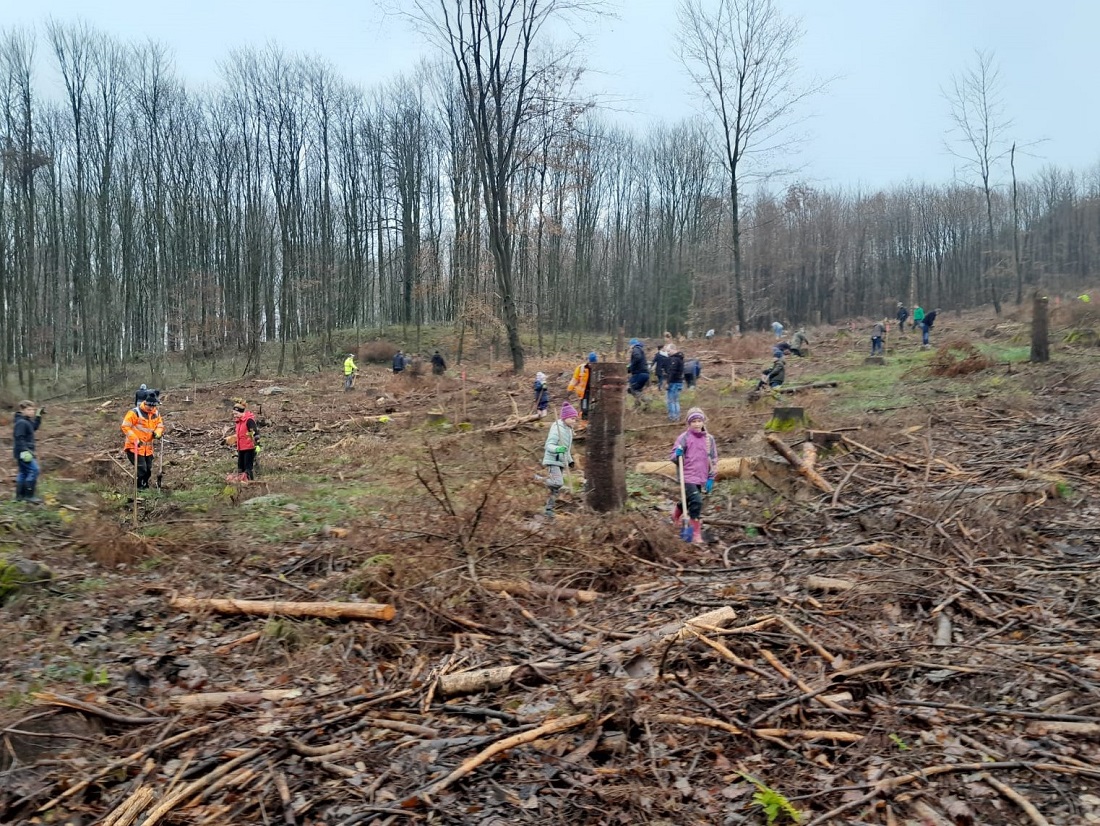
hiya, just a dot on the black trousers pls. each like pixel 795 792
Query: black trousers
pixel 144 468
pixel 246 462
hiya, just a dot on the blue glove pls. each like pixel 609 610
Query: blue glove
pixel 710 485
pixel 26 456
pixel 678 453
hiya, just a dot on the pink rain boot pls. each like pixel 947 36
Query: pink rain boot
pixel 697 532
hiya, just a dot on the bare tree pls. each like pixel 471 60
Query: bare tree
pixel 741 56
pixel 980 127
pixel 503 84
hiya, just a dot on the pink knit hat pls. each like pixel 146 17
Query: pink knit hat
pixel 568 411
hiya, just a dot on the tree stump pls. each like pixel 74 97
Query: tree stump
pixel 879 360
pixel 605 458
pixel 786 418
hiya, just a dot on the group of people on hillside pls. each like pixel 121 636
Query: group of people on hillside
pixel 399 363
pixel 921 319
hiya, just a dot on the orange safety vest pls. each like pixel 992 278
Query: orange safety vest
pixel 139 426
pixel 580 380
pixel 245 439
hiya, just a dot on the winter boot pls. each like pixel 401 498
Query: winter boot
pixel 676 514
pixel 697 532
pixel 28 493
pixel 20 492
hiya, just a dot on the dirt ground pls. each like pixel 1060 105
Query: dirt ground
pixel 911 641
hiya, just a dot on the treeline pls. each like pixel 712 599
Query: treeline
pixel 140 216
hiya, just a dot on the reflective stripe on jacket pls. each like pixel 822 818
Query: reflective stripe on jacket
pixel 140 427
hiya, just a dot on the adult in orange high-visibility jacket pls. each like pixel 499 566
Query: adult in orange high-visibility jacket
pixel 580 385
pixel 142 426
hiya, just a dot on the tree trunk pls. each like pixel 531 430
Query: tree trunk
pixel 1040 327
pixel 606 461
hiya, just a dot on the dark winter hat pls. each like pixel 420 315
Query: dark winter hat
pixel 568 411
pixel 592 357
pixel 696 413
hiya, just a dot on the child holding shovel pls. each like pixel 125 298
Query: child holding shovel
pixel 696 456
pixel 557 454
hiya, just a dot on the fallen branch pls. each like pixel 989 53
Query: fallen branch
pixel 483 679
pixel 49 698
pixel 525 588
pixel 798 388
pixel 265 608
pixel 815 478
pixel 552 727
pixel 800 734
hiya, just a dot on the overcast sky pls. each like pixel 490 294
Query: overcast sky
pixel 882 120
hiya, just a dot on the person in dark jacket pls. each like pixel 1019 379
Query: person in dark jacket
pixel 901 315
pixel 660 368
pixel 398 362
pixel 27 421
pixel 926 325
pixel 675 382
pixel 638 370
pixel 774 376
pixel 542 394
pixel 439 366
pixel 140 394
pixel 693 369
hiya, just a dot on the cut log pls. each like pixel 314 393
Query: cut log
pixel 875 360
pixel 538 589
pixel 214 699
pixel 729 468
pixel 815 478
pixel 264 608
pixel 824 583
pixel 798 388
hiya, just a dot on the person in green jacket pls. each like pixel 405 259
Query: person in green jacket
pixel 350 369
pixel 918 317
pixel 557 454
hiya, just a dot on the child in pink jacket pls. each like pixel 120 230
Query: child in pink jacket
pixel 700 455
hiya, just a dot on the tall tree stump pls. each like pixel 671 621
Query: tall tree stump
pixel 605 466
pixel 1040 327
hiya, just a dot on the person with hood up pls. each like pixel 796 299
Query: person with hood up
pixel 399 362
pixel 350 371
pixel 638 370
pixel 248 439
pixel 581 384
pixel 699 453
pixel 675 382
pixel 558 454
pixel 542 394
pixel 27 420
pixel 142 426
pixel 439 366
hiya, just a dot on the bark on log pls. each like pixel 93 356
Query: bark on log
pixel 815 478
pixel 264 608
pixel 798 388
pixel 538 589
pixel 729 468
pixel 214 699
pixel 604 444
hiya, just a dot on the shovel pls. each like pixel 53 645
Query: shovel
pixel 685 528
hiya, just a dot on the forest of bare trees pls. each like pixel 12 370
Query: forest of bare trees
pixel 142 217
